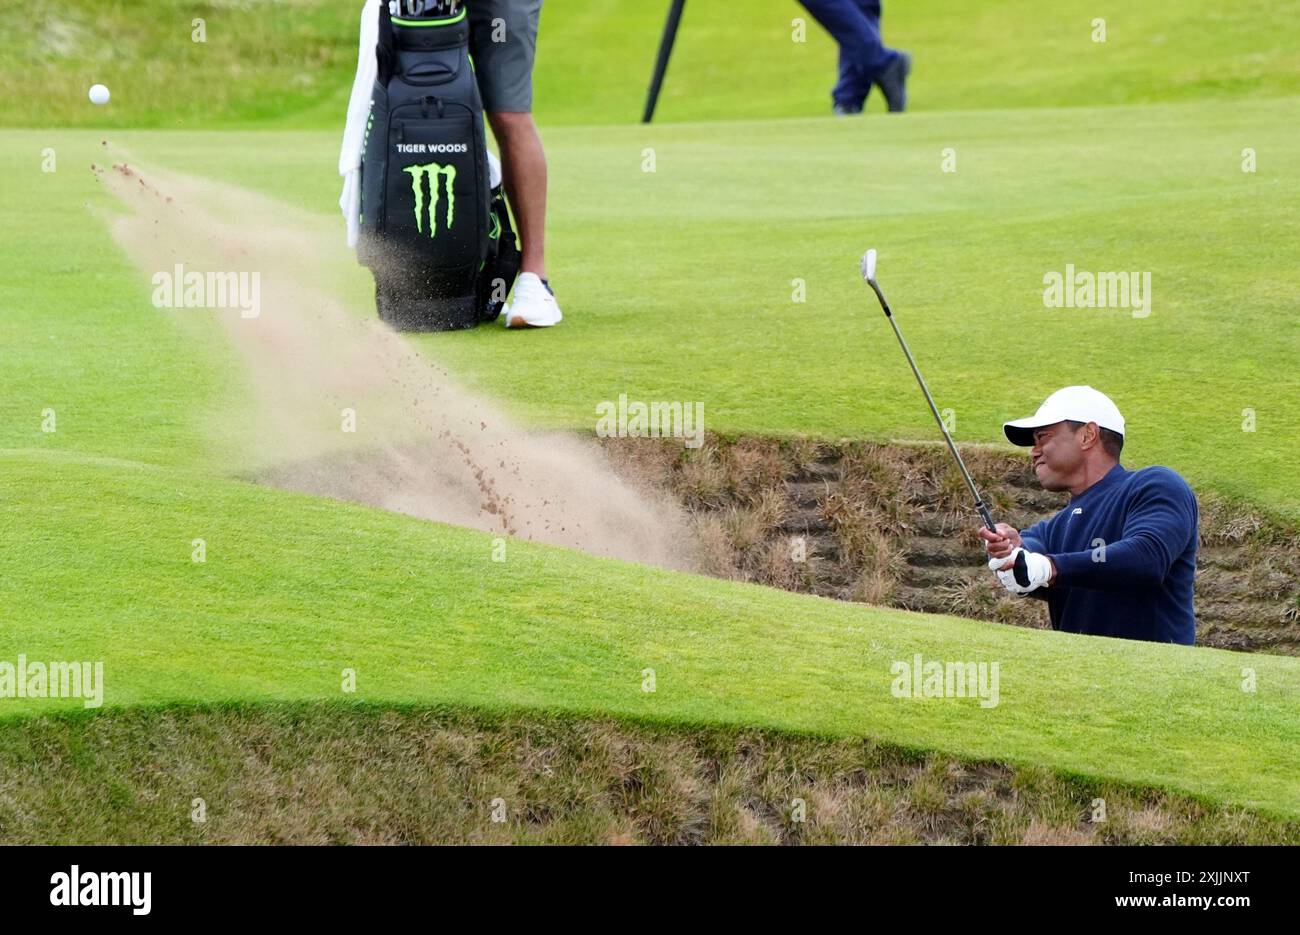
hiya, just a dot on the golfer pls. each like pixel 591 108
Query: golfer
pixel 1120 559
pixel 864 58
pixel 503 39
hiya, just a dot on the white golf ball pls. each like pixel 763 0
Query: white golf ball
pixel 99 94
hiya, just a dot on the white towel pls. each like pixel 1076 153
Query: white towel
pixel 354 132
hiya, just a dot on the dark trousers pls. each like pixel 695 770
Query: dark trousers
pixel 855 25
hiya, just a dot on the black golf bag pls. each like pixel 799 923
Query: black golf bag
pixel 432 230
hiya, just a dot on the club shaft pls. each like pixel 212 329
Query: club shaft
pixel 934 410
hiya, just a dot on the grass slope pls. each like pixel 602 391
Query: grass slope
pixel 291 63
pixel 97 565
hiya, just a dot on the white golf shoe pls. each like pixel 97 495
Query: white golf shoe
pixel 532 305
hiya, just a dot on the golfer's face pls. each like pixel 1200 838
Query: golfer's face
pixel 1055 455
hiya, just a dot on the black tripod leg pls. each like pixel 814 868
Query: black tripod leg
pixel 661 63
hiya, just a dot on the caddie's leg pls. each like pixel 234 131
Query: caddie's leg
pixel 524 175
pixel 503 41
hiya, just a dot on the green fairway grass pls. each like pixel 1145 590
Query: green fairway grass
pixel 295 590
pixel 679 284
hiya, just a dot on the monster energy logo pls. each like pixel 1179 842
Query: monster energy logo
pixel 433 171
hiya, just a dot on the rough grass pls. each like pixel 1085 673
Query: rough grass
pixel 358 774
pixel 291 63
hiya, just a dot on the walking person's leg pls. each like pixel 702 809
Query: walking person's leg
pixel 503 36
pixel 894 66
pixel 871 9
pixel 881 56
pixel 849 96
pixel 864 58
pixel 860 49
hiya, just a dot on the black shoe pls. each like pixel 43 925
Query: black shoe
pixel 846 110
pixel 893 83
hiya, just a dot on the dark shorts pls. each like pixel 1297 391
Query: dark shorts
pixel 503 41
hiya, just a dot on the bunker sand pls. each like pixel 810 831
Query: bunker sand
pixel 346 408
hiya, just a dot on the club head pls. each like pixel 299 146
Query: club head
pixel 869 266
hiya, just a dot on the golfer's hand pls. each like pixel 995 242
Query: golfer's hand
pixel 1001 544
pixel 1039 571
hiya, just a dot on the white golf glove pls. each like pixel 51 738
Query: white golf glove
pixel 1036 570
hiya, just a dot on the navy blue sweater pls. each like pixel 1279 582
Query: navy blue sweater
pixel 1125 554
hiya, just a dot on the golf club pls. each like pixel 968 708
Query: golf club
pixel 869 274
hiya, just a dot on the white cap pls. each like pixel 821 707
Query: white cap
pixel 1072 404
